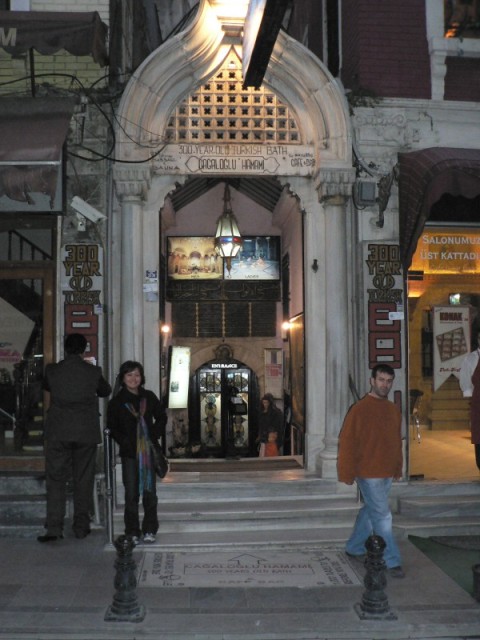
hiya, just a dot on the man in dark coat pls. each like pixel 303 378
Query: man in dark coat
pixel 72 433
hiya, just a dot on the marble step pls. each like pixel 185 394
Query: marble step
pixel 18 508
pixel 440 506
pixel 405 526
pixel 217 487
pixel 21 482
pixel 237 540
pixel 262 515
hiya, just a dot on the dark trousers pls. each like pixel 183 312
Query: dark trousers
pixel 132 496
pixel 65 460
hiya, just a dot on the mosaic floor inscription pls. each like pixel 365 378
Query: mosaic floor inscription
pixel 319 568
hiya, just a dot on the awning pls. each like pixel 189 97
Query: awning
pixel 79 33
pixel 424 177
pixel 32 133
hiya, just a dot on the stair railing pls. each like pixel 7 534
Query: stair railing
pixel 10 417
pixel 109 463
pixel 24 247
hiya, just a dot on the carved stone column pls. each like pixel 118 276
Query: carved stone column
pixel 131 187
pixel 334 192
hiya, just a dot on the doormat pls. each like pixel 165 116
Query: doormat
pixel 302 569
pixel 456 561
pixel 229 466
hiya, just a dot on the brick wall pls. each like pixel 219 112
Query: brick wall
pixel 385 47
pixel 101 6
pixel 351 44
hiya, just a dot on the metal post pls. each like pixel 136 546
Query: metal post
pixel 374 605
pixel 125 607
pixel 109 482
pixel 476 582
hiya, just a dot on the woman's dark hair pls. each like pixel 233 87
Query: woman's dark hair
pixel 127 367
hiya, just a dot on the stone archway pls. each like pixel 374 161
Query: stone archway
pixel 149 172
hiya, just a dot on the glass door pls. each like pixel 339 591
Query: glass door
pixel 26 345
pixel 223 414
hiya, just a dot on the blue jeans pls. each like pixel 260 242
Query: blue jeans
pixel 374 517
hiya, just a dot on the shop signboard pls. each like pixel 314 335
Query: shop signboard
pixel 82 289
pixel 236 159
pixel 451 341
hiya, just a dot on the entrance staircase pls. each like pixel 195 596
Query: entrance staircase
pixel 289 509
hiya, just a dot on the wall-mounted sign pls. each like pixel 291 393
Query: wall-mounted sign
pixel 447 251
pixel 451 341
pixel 236 159
pixel 82 289
pixel 179 378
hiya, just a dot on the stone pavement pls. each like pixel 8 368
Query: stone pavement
pixel 63 591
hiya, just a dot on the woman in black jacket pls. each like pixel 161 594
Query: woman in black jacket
pixel 136 417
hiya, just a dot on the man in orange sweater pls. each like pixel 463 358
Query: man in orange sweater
pixel 370 453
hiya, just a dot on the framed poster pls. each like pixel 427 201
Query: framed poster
pixel 179 378
pixel 193 258
pixel 274 372
pixel 451 341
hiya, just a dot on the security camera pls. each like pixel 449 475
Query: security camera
pixel 86 210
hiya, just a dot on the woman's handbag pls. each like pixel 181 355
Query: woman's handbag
pixel 160 461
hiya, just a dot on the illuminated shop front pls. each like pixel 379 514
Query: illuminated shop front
pixel 444 302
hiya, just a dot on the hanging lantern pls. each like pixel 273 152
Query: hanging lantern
pixel 228 240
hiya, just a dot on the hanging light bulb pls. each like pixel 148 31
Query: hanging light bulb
pixel 228 240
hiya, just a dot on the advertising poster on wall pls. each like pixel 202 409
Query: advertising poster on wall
pixel 82 289
pixel 274 372
pixel 179 378
pixel 451 342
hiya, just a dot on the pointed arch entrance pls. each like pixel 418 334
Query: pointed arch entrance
pixel 316 173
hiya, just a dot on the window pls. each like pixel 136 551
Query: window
pixel 462 18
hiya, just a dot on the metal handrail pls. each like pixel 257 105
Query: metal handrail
pixel 109 463
pixel 10 417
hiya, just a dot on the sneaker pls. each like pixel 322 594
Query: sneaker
pixel 396 572
pixel 134 540
pixel 149 537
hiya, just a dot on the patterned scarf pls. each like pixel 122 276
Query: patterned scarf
pixel 146 473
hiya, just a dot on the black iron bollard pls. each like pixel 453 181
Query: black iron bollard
pixel 374 605
pixel 476 582
pixel 125 607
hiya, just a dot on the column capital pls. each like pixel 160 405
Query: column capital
pixel 334 183
pixel 132 181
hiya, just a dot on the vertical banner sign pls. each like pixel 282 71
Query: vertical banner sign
pixel 179 378
pixel 274 372
pixel 385 310
pixel 82 289
pixel 451 342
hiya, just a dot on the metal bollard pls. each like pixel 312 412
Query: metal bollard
pixel 374 605
pixel 476 582
pixel 125 607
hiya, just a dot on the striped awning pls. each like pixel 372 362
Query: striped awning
pixel 79 33
pixel 425 176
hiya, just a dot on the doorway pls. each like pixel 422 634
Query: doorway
pixel 26 345
pixel 224 406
